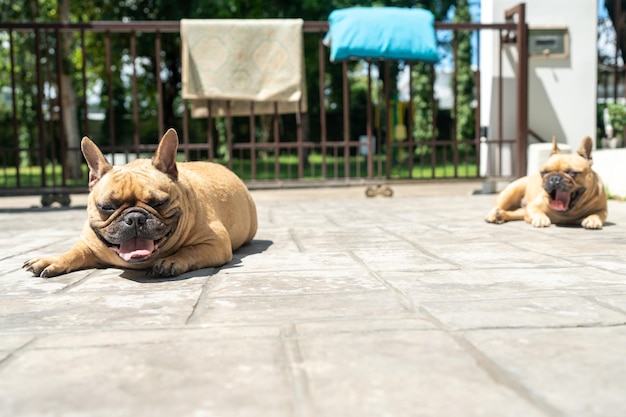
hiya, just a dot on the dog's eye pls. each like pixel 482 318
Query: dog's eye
pixel 159 203
pixel 107 208
pixel 572 173
pixel 543 173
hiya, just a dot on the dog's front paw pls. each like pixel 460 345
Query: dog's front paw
pixel 494 216
pixel 592 222
pixel 167 268
pixel 44 267
pixel 540 220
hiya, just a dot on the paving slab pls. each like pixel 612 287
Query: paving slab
pixel 343 305
pixel 563 367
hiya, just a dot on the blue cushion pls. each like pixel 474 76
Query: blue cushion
pixel 383 33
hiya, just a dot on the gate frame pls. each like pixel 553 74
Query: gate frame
pixel 511 32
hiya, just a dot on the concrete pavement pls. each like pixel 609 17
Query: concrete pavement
pixel 342 306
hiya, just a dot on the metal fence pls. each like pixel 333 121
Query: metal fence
pixel 126 80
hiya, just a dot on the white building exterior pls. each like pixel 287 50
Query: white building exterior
pixel 561 90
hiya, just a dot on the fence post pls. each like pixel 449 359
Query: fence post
pixel 521 42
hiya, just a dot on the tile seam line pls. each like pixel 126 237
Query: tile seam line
pixel 300 295
pixel 504 378
pixel 420 248
pixel 206 288
pixel 181 327
pixel 296 240
pixel 24 252
pixel 498 374
pixel 15 353
pixel 571 261
pixel 72 332
pixel 594 299
pixel 75 284
pixel 404 300
pixel 521 297
pixel 522 328
pixel 302 401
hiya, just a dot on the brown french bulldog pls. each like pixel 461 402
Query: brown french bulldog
pixel 566 191
pixel 159 215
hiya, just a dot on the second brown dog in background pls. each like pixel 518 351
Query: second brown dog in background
pixel 566 191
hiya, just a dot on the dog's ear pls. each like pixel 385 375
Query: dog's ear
pixel 98 165
pixel 165 157
pixel 555 147
pixel 586 146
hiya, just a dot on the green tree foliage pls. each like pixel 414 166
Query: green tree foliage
pixel 423 128
pixel 99 83
pixel 463 85
pixel 18 89
pixel 465 75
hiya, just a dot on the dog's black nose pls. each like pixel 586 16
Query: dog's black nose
pixel 135 219
pixel 554 181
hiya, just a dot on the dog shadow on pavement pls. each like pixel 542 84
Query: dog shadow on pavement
pixel 255 247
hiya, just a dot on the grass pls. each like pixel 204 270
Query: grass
pixel 336 169
pixel 31 177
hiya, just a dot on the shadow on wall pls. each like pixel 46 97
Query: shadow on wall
pixel 542 117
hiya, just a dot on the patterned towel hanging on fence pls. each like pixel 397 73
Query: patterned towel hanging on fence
pixel 242 61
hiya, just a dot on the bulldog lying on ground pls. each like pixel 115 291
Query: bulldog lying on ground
pixel 566 191
pixel 158 215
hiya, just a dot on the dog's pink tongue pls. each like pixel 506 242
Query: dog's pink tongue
pixel 136 248
pixel 561 201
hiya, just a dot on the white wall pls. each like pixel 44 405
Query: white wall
pixel 562 92
pixel 609 164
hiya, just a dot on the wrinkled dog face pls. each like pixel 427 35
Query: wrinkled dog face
pixel 133 221
pixel 565 179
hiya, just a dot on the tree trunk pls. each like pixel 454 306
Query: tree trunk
pixel 69 105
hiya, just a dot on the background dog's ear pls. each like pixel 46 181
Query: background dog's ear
pixel 165 157
pixel 98 165
pixel 555 147
pixel 586 146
